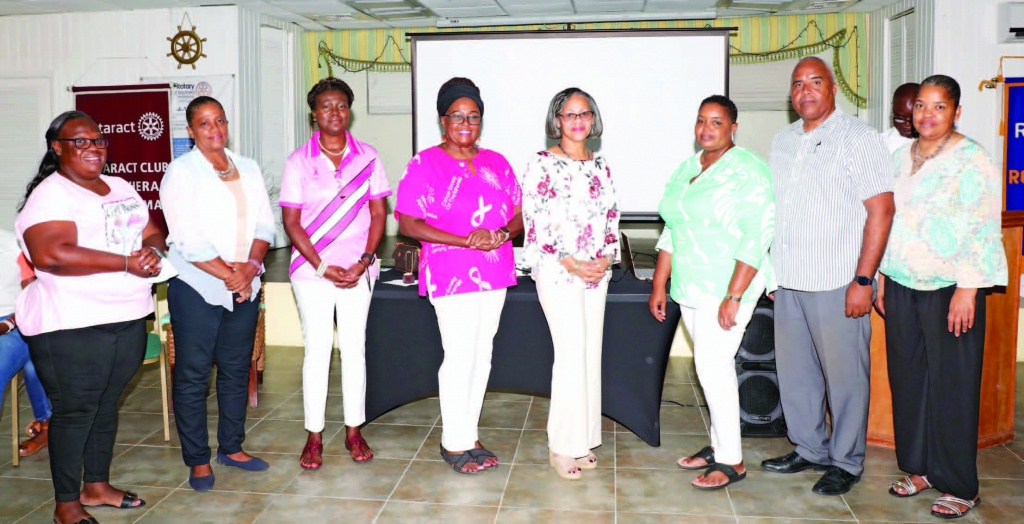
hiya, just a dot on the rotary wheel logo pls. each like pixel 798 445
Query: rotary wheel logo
pixel 151 126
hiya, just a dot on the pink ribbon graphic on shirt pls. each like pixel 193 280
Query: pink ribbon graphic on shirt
pixel 336 216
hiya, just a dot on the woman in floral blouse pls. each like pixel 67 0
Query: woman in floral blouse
pixel 572 238
pixel 719 212
pixel 944 252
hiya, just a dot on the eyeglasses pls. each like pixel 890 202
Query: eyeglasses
pixel 586 116
pixel 458 118
pixel 83 143
pixel 900 120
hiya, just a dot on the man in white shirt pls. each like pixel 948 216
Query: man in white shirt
pixel 902 131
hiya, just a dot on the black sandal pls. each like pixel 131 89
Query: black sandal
pixel 127 502
pixel 480 455
pixel 458 460
pixel 730 473
pixel 706 453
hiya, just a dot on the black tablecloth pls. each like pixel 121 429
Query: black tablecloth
pixel 403 351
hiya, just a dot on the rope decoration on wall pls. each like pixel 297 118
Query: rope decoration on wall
pixel 842 40
pixel 352 65
pixel 789 52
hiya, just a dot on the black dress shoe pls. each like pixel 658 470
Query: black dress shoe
pixel 790 463
pixel 835 481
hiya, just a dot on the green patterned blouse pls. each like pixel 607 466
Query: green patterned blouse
pixel 948 224
pixel 727 214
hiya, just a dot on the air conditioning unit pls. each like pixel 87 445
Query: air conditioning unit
pixel 1011 22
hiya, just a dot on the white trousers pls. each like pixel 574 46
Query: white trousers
pixel 576 320
pixel 467 322
pixel 714 354
pixel 320 303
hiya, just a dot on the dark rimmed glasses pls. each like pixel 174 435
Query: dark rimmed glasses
pixel 83 143
pixel 585 116
pixel 459 118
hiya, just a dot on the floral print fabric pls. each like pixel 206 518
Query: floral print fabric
pixel 948 224
pixel 569 209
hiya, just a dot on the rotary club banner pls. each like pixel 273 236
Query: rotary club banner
pixel 135 118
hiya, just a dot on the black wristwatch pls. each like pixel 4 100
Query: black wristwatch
pixel 370 257
pixel 863 280
pixel 508 234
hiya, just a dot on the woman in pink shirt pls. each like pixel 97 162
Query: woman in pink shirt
pixel 92 244
pixel 333 201
pixel 463 203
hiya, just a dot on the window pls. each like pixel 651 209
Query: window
pixel 25 112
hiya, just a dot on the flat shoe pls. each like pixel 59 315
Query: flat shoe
pixel 730 474
pixel 909 489
pixel 316 448
pixel 358 443
pixel 204 483
pixel 458 460
pixel 947 501
pixel 835 481
pixel 706 453
pixel 126 502
pixel 253 464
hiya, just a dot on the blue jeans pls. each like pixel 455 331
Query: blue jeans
pixel 13 358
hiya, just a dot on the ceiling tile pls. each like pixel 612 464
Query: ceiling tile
pixel 470 12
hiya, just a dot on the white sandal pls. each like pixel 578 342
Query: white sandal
pixel 565 466
pixel 909 488
pixel 587 462
pixel 949 501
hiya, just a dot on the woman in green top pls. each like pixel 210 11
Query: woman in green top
pixel 719 212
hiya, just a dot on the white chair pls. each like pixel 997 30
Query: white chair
pixel 155 352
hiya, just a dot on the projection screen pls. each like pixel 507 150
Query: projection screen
pixel 647 84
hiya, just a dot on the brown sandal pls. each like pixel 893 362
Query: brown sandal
pixel 40 438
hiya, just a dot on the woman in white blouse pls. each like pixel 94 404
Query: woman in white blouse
pixel 220 226
pixel 572 238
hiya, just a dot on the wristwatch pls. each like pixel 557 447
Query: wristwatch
pixel 734 299
pixel 863 280
pixel 370 257
pixel 505 230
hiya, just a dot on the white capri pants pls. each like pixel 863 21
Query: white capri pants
pixel 575 317
pixel 468 323
pixel 320 302
pixel 714 354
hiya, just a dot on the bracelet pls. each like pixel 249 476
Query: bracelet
pixel 734 299
pixel 158 252
pixel 575 266
pixel 126 263
pixel 322 268
pixel 258 266
pixel 11 326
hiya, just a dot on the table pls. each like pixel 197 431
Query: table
pixel 403 351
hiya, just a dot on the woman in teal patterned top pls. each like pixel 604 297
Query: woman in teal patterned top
pixel 945 251
pixel 719 212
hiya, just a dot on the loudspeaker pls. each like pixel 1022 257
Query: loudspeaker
pixel 760 402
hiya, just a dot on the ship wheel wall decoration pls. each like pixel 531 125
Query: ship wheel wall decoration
pixel 186 45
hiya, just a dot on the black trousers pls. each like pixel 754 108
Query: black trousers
pixel 84 371
pixel 205 334
pixel 936 387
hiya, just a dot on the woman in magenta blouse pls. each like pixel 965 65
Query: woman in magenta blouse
pixel 463 203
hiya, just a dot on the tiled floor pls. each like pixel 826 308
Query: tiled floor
pixel 408 482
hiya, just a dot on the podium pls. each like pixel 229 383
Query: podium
pixel 995 425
